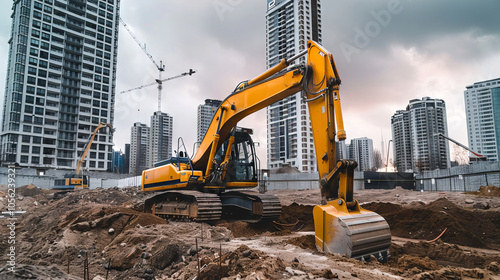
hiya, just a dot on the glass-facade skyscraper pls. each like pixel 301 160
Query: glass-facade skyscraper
pixel 205 114
pixel 60 83
pixel 289 25
pixel 482 110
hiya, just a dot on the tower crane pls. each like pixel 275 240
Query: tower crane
pixel 159 83
pixel 160 67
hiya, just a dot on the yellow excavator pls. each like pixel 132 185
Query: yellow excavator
pixel 78 180
pixel 204 188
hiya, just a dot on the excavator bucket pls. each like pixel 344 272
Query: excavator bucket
pixel 356 233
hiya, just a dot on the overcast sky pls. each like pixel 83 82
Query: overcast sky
pixel 387 52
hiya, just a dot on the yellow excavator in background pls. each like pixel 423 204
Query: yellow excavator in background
pixel 78 180
pixel 203 188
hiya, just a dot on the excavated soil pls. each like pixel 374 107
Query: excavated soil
pixel 474 228
pixel 59 231
pixel 487 191
pixel 293 217
pixel 304 242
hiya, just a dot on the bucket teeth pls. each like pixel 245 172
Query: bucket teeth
pixel 357 235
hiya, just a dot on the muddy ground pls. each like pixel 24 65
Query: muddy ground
pixel 103 231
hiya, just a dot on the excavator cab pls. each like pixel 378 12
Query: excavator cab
pixel 242 163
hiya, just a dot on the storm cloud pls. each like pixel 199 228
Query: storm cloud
pixel 387 53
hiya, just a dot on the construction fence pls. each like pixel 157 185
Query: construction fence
pixel 461 178
pixel 362 180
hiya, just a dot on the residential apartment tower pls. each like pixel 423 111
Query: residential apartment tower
pixel 60 83
pixel 205 114
pixel 482 110
pixel 416 132
pixel 289 25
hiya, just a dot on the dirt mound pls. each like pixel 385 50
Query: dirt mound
pixel 301 213
pixel 455 273
pixel 112 196
pixel 439 260
pixel 101 220
pixel 480 229
pixel 304 242
pixel 29 190
pixel 294 217
pixel 488 191
pixel 438 253
pixel 164 244
pixel 66 229
pixel 245 262
pixel 244 229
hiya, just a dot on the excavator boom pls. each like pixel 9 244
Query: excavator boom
pixel 341 225
pixel 87 148
pixel 77 180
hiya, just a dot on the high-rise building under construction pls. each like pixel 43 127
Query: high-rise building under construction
pixel 60 83
pixel 289 25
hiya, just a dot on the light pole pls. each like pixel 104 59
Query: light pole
pixel 388 145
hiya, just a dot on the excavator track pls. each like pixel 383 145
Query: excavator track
pixel 185 205
pixel 250 206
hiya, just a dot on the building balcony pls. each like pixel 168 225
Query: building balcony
pixel 59 17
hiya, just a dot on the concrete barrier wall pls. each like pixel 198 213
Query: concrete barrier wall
pixel 45 178
pixel 304 181
pixel 463 178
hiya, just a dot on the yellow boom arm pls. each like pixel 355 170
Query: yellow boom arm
pixel 319 79
pixel 86 151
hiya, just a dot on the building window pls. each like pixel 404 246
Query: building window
pixel 31 80
pixel 25 149
pixel 35 160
